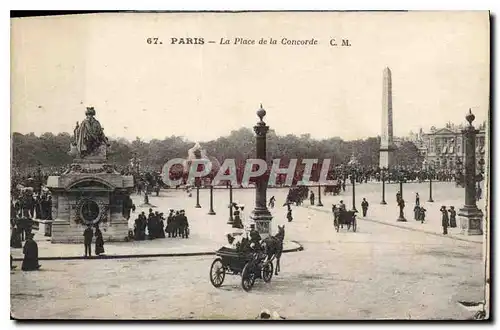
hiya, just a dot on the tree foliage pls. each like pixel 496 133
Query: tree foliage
pixel 50 150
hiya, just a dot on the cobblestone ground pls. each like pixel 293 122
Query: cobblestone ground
pixel 378 272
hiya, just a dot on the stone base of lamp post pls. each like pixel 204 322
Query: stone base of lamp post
pixel 262 219
pixel 402 218
pixel 471 220
pixel 383 202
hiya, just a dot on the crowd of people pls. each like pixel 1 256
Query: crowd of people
pixel 176 225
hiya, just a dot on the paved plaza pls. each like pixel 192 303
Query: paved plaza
pixel 379 272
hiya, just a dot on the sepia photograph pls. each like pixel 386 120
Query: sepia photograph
pixel 250 166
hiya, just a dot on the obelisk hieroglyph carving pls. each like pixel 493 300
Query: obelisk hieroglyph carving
pixel 386 138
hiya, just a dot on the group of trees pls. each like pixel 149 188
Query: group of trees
pixel 49 150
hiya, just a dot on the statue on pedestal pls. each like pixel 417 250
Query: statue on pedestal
pixel 88 137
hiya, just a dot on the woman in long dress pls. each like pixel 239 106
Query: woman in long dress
pixel 99 241
pixel 30 250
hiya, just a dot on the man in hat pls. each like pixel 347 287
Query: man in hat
pixel 254 237
pixel 364 207
pixel 175 224
pixel 87 240
pixel 170 220
pixel 311 198
pixel 422 214
pixel 342 206
pixel 444 219
pixel 30 250
pixel 183 224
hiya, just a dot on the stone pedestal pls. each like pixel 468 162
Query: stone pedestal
pixel 90 193
pixel 262 219
pixel 471 220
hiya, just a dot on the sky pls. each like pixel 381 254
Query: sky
pixel 60 65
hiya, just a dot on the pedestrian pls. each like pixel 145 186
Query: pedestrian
pixel 15 238
pixel 422 214
pixel 170 220
pixel 237 223
pixel 161 226
pixel 182 224
pixel 289 215
pixel 453 217
pixel 444 220
pixel 99 241
pixel 364 206
pixel 417 199
pixel 416 212
pixel 30 250
pixel 175 224
pixel 401 204
pixel 311 198
pixel 87 240
pixel 271 202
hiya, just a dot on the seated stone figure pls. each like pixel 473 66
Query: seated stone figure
pixel 88 136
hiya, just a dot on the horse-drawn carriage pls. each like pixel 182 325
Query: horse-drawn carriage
pixel 251 266
pixel 248 261
pixel 342 218
pixel 333 189
pixel 297 194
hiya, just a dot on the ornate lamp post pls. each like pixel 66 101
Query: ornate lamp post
pixel 198 196
pixel 352 164
pixel 231 220
pixel 470 216
pixel 211 211
pixel 319 195
pixel 430 173
pixel 260 214
pixel 401 202
pixel 383 174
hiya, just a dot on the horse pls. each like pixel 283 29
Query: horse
pixel 273 247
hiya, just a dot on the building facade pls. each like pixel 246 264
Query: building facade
pixel 443 148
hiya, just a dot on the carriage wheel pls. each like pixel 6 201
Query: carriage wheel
pixel 248 277
pixel 217 273
pixel 267 272
pixel 354 225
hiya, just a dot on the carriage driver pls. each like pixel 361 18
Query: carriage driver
pixel 254 238
pixel 342 206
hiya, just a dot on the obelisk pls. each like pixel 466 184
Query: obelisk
pixel 386 138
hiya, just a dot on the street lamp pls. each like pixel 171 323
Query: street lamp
pixel 231 220
pixel 430 173
pixel 352 164
pixel 211 211
pixel 400 178
pixel 197 183
pixel 383 174
pixel 319 195
pixel 401 200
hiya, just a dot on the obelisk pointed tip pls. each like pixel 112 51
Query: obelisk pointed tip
pixel 387 69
